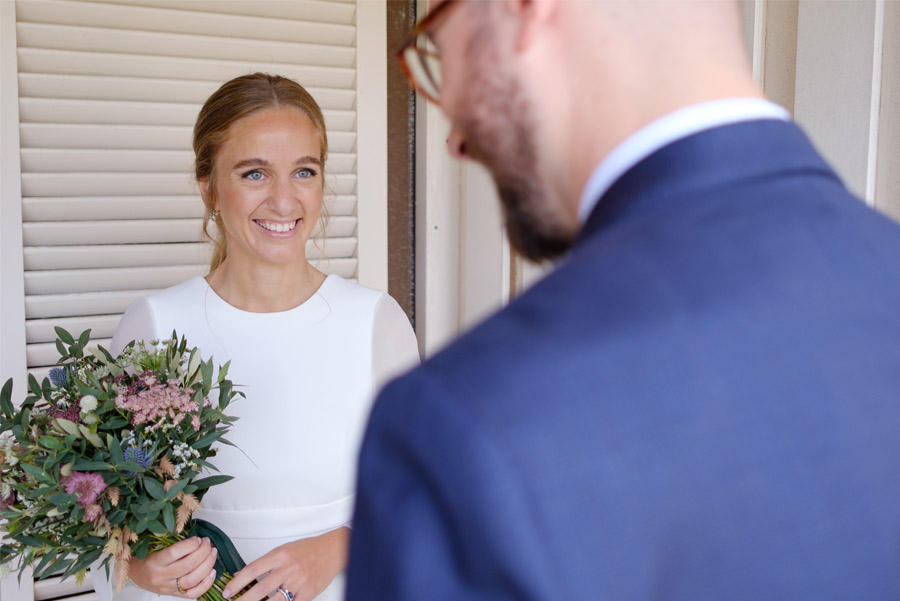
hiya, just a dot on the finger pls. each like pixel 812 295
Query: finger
pixel 199 574
pixel 173 553
pixel 193 560
pixel 251 572
pixel 262 589
pixel 203 586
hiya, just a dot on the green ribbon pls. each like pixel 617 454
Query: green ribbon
pixel 229 561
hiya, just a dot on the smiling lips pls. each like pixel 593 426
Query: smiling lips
pixel 276 226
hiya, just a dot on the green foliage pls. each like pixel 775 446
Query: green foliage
pixel 80 468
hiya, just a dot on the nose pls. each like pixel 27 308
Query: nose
pixel 456 144
pixel 283 197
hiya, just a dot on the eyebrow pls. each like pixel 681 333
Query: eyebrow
pixel 264 163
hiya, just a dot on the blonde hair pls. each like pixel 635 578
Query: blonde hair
pixel 234 100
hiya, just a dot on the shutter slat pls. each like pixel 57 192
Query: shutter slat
pixel 97 39
pixel 62 12
pixel 309 10
pixel 101 112
pixel 117 278
pixel 134 137
pixel 102 208
pixel 41 135
pixel 142 255
pixel 60 233
pixel 73 305
pixel 86 87
pixel 101 326
pixel 45 355
pixel 40 60
pixel 111 232
pixel 95 184
pixel 81 208
pixel 115 255
pixel 64 160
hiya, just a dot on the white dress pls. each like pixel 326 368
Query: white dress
pixel 310 375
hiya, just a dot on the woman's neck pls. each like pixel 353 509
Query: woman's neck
pixel 266 288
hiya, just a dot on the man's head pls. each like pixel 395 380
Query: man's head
pixel 539 91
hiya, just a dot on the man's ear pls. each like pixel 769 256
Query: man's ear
pixel 533 16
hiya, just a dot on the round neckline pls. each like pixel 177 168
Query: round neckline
pixel 316 300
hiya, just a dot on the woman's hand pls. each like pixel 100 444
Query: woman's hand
pixel 304 567
pixel 190 561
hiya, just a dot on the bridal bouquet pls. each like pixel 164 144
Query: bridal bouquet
pixel 102 459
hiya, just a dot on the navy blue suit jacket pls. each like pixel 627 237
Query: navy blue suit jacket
pixel 701 402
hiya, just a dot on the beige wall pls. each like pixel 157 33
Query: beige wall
pixel 834 64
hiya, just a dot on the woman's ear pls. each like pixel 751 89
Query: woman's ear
pixel 204 191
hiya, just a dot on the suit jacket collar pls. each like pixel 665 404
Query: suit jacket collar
pixel 709 159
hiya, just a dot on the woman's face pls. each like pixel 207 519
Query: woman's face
pixel 269 186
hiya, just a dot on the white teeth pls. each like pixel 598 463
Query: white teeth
pixel 278 227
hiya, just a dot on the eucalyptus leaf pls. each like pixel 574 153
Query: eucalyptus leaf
pixel 37 473
pixel 34 386
pixel 115 449
pixel 169 517
pixel 130 466
pixel 179 486
pixel 50 442
pixel 64 335
pixel 86 466
pixel 91 437
pixel 157 528
pixel 204 483
pixel 6 405
pixel 67 426
pixel 154 488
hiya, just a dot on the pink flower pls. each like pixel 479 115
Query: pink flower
pixel 92 512
pixel 158 404
pixel 87 486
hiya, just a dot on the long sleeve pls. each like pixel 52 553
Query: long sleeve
pixel 394 345
pixel 440 507
pixel 138 323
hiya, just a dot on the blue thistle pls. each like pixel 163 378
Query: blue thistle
pixel 60 377
pixel 137 455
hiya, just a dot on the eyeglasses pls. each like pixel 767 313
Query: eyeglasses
pixel 419 57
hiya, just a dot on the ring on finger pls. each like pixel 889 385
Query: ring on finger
pixel 288 595
pixel 178 588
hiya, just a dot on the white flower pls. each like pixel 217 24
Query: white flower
pixel 88 403
pixel 89 418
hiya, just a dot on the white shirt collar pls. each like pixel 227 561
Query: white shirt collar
pixel 666 130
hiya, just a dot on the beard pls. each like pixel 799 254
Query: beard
pixel 498 125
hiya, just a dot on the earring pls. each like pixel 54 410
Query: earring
pixel 214 216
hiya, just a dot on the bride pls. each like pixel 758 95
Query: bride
pixel 309 351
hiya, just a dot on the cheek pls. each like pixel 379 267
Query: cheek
pixel 313 201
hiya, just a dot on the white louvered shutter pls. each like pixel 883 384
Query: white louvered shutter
pixel 108 95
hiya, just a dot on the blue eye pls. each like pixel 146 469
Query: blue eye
pixel 306 172
pixel 254 175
